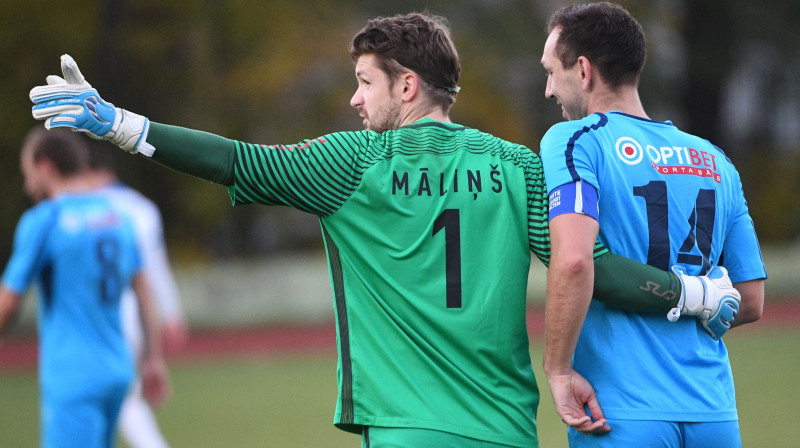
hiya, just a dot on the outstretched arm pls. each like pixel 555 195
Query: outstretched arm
pixel 72 102
pixel 197 153
pixel 307 176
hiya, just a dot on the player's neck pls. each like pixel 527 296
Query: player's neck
pixel 626 101
pixel 68 185
pixel 99 178
pixel 413 114
pixel 438 115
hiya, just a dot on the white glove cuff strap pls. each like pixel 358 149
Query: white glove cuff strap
pixel 144 148
pixel 130 133
pixel 692 301
pixel 692 298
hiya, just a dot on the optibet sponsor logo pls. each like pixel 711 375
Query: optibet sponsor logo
pixel 669 159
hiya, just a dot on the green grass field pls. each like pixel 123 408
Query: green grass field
pixel 288 401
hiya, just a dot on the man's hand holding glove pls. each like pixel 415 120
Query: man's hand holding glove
pixel 711 298
pixel 71 102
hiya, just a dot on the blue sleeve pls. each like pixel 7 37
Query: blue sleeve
pixel 741 252
pixel 575 197
pixel 569 157
pixel 570 154
pixel 28 254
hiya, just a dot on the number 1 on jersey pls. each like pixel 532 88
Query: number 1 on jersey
pixel 449 221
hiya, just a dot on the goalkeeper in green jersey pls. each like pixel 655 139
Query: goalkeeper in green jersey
pixel 428 227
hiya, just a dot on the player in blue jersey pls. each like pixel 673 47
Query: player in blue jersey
pixel 655 194
pixel 81 253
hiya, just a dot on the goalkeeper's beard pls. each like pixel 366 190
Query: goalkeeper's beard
pixel 386 117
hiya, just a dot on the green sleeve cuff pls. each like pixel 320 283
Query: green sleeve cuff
pixel 196 153
pixel 634 286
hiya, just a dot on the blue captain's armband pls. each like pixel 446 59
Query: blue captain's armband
pixel 575 197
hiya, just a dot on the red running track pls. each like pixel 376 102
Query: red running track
pixel 19 352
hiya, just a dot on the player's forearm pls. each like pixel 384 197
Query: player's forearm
pixel 9 306
pixel 200 154
pixel 570 282
pixel 628 284
pixel 569 290
pixel 752 305
pixel 148 315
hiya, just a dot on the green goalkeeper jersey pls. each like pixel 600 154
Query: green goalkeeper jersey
pixel 428 231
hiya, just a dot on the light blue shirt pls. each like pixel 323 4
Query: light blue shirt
pixel 82 254
pixel 664 197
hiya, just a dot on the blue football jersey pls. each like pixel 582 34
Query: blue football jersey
pixel 664 197
pixel 82 254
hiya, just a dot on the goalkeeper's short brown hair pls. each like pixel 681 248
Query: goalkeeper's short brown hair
pixel 418 42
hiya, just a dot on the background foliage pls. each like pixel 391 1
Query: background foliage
pixel 279 72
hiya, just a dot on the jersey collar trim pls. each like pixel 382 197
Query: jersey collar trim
pixel 616 112
pixel 426 122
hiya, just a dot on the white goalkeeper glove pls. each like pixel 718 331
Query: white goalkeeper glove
pixel 71 102
pixel 711 298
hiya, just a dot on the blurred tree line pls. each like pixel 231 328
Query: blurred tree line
pixel 279 72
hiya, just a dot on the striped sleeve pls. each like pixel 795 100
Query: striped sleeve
pixel 538 212
pixel 316 176
pixel 538 227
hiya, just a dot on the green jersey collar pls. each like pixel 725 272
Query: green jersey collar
pixel 425 122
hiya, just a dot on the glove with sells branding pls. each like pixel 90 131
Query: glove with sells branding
pixel 71 102
pixel 711 298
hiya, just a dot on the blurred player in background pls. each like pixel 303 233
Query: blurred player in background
pixel 82 254
pixel 137 423
pixel 428 227
pixel 664 197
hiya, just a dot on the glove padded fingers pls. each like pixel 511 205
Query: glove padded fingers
pixel 40 113
pixel 72 74
pixel 41 94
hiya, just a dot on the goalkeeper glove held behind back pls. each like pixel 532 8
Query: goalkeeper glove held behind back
pixel 711 298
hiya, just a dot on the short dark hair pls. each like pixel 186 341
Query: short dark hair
pixel 416 41
pixel 606 34
pixel 66 150
pixel 101 157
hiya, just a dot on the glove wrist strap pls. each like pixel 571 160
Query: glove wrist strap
pixel 130 133
pixel 691 303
